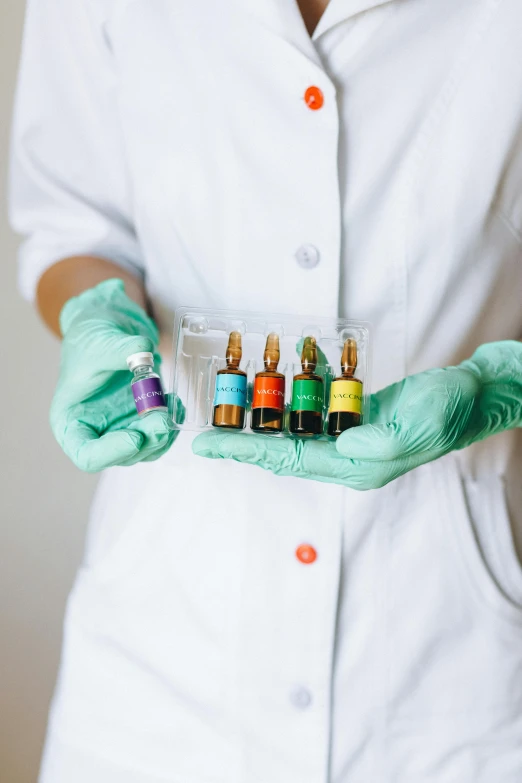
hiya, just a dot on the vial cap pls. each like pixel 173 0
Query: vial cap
pixel 349 357
pixel 234 350
pixel 272 354
pixel 309 354
pixel 139 360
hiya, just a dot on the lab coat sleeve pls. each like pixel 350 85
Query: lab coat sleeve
pixel 69 187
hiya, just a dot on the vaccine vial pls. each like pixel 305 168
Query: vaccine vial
pixel 231 388
pixel 268 397
pixel 346 394
pixel 146 385
pixel 306 414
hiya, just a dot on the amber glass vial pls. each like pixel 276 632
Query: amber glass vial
pixel 306 414
pixel 231 389
pixel 268 398
pixel 346 393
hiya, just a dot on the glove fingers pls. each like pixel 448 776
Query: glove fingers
pixel 283 456
pixel 92 453
pixel 143 440
pixel 317 460
pixel 157 436
pixel 275 454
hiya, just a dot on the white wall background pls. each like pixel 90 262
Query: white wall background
pixel 43 498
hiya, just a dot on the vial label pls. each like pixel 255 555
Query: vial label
pixel 307 396
pixel 269 393
pixel 346 396
pixel 231 390
pixel 148 394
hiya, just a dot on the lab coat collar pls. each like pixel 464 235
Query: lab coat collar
pixel 285 17
pixel 339 10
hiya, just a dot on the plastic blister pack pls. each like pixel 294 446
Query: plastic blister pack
pixel 281 374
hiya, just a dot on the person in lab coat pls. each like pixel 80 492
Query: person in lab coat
pixel 361 159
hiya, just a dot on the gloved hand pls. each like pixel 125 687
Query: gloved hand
pixel 413 422
pixel 93 415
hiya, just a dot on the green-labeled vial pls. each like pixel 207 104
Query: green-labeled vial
pixel 346 393
pixel 231 388
pixel 306 415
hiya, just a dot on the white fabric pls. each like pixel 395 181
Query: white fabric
pixel 174 138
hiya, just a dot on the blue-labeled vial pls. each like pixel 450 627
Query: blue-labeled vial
pixel 146 385
pixel 231 389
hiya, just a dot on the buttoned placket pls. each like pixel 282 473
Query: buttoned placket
pixel 293 691
pixel 314 564
pixel 309 701
pixel 287 640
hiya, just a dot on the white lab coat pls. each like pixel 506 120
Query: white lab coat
pixel 173 138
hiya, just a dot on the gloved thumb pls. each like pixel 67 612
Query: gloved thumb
pixel 371 442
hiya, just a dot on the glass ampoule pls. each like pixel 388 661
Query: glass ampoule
pixel 306 414
pixel 268 398
pixel 231 388
pixel 346 393
pixel 146 385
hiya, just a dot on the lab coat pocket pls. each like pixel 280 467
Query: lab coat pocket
pixel 485 543
pixel 455 630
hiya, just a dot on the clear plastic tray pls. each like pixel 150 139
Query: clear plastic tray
pixel 199 350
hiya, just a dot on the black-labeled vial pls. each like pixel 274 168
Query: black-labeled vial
pixel 268 398
pixel 306 414
pixel 346 394
pixel 231 388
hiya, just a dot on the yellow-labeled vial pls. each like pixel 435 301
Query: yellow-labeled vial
pixel 346 394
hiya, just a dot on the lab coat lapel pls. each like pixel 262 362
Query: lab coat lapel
pixel 339 10
pixel 284 18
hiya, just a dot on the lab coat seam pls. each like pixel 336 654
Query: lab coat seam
pixel 334 636
pixel 504 217
pixel 385 655
pixel 383 652
pixel 410 724
pixel 450 87
pixel 118 9
pixel 338 207
pixel 426 136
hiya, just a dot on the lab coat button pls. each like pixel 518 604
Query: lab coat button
pixel 314 98
pixel 307 256
pixel 306 554
pixel 301 698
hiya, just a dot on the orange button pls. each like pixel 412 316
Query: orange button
pixel 306 554
pixel 314 98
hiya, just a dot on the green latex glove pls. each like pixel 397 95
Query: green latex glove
pixel 93 415
pixel 413 422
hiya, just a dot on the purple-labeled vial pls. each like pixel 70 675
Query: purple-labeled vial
pixel 146 384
